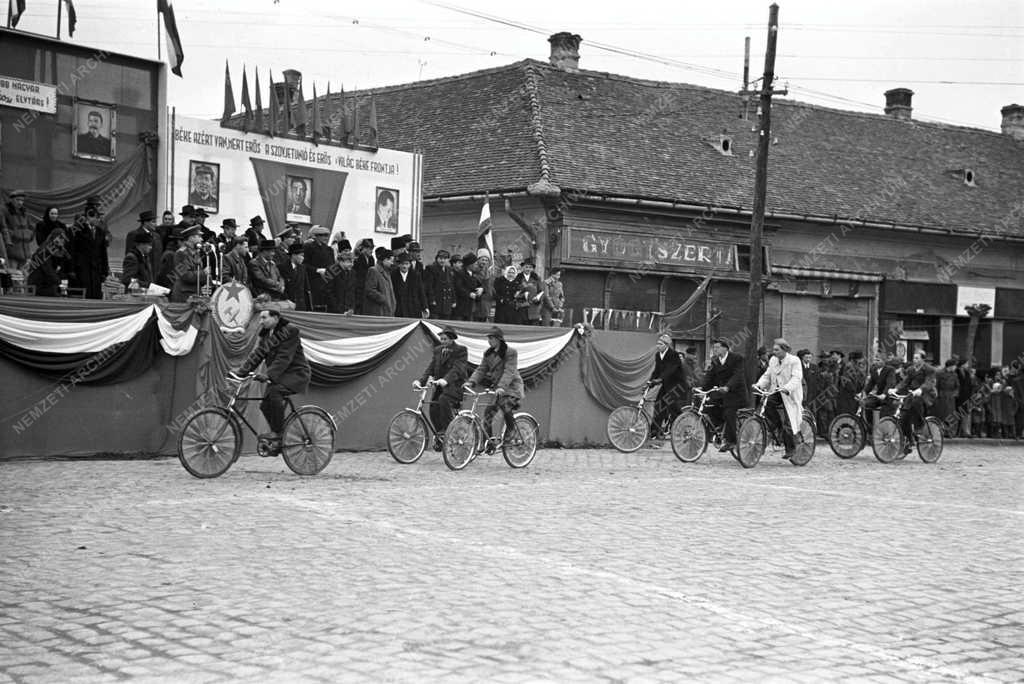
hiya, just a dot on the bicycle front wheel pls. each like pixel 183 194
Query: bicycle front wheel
pixel 689 436
pixel 929 440
pixel 803 450
pixel 407 436
pixel 751 441
pixel 887 440
pixel 846 435
pixel 307 441
pixel 461 441
pixel 520 445
pixel 628 428
pixel 209 443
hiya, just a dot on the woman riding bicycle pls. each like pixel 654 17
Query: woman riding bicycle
pixel 499 370
pixel 785 373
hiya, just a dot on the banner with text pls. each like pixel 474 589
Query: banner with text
pixel 645 251
pixel 17 92
pixel 232 174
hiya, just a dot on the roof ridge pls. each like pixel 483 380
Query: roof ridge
pixel 434 81
pixel 543 186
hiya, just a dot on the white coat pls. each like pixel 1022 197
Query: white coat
pixel 787 374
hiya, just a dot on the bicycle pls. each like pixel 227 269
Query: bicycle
pixel 211 439
pixel 693 428
pixel 756 435
pixel 410 429
pixel 888 440
pixel 629 427
pixel 465 438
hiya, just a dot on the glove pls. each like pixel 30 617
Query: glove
pixel 917 392
pixel 260 377
pixel 236 376
pixel 499 391
pixel 416 384
pixel 441 383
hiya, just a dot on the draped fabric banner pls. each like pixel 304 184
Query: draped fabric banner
pixel 353 350
pixel 614 382
pixel 531 352
pixel 72 337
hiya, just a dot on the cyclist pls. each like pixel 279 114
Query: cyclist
pixel 280 346
pixel 919 381
pixel 726 373
pixel 881 378
pixel 448 368
pixel 668 372
pixel 499 370
pixel 785 372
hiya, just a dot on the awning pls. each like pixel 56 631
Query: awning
pixel 822 274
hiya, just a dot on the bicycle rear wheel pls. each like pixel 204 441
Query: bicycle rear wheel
pixel 751 441
pixel 689 436
pixel 929 440
pixel 520 446
pixel 628 427
pixel 407 436
pixel 803 451
pixel 461 441
pixel 846 435
pixel 887 440
pixel 307 441
pixel 209 442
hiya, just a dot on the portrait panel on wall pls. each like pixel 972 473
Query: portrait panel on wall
pixel 300 200
pixel 94 134
pixel 204 185
pixel 385 211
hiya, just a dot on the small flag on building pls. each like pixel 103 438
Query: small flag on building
pixel 175 55
pixel 72 17
pixel 259 104
pixel 328 114
pixel 484 238
pixel 342 116
pixel 229 95
pixel 246 102
pixel 301 118
pixel 274 106
pixel 316 118
pixel 373 121
pixel 15 8
pixel 353 130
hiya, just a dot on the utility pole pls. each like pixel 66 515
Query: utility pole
pixel 755 294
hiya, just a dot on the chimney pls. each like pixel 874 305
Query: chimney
pixel 565 51
pixel 292 80
pixel 897 103
pixel 1013 121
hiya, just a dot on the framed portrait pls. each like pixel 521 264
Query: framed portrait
pixel 385 211
pixel 94 131
pixel 204 185
pixel 299 207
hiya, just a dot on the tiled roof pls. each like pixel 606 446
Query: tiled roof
pixel 507 128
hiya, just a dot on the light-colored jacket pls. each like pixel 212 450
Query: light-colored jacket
pixel 787 374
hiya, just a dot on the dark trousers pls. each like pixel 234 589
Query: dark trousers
pixel 508 406
pixel 912 417
pixel 775 414
pixel 443 410
pixel 719 413
pixel 272 407
pixel 666 407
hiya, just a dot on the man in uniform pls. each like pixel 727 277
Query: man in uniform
pixel 190 274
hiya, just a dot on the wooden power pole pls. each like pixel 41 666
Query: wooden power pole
pixel 755 295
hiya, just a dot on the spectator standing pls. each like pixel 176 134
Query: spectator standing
pixel 379 294
pixel 189 273
pixel 978 402
pixel 165 275
pixel 254 233
pixel 439 284
pixel 264 277
pixel 188 219
pixel 147 226
pixel 51 222
pixel 48 265
pixel 228 232
pixel 319 256
pixel 947 386
pixel 811 377
pixel 1017 383
pixel 89 257
pixel 18 237
pixel 165 228
pixel 505 289
pixel 362 262
pixel 552 306
pixel 235 263
pixel 343 283
pixel 138 262
pixel 408 292
pixel 297 279
pixel 529 293
pixel 466 285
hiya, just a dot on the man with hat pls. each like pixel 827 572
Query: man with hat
pixel 439 285
pixel 448 369
pixel 319 257
pixel 286 238
pixel 726 374
pixel 18 237
pixel 379 294
pixel 465 284
pixel 529 293
pixel 408 291
pixel 499 370
pixel 254 233
pixel 264 276
pixel 228 233
pixel 138 262
pixel 296 280
pixel 235 263
pixel 361 263
pixel 474 285
pixel 416 254
pixel 190 273
pixel 342 285
pixel 147 226
pixel 89 260
pixel 188 219
pixel 670 378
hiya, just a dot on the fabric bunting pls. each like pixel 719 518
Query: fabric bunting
pixel 72 337
pixel 354 350
pixel 531 353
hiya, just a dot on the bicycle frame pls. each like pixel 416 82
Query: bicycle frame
pixel 423 401
pixel 235 398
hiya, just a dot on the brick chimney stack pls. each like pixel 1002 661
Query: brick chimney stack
pixel 1013 121
pixel 897 103
pixel 565 51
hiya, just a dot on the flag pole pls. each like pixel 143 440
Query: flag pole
pixel 60 12
pixel 159 57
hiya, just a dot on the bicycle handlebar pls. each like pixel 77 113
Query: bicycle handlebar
pixel 765 393
pixel 703 392
pixel 478 394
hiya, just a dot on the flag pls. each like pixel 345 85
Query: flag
pixel 259 103
pixel 484 239
pixel 316 117
pixel 342 116
pixel 175 55
pixel 373 121
pixel 353 130
pixel 327 114
pixel 300 113
pixel 274 106
pixel 229 95
pixel 15 8
pixel 246 102
pixel 287 107
pixel 72 17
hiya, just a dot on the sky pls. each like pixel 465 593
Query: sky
pixel 963 60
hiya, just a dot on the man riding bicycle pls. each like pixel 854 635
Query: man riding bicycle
pixel 448 370
pixel 499 370
pixel 280 346
pixel 881 378
pixel 727 375
pixel 919 382
pixel 785 373
pixel 669 374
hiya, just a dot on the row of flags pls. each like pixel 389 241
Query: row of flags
pixel 291 115
pixel 175 55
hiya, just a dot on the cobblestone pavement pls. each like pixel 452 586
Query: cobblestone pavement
pixel 587 566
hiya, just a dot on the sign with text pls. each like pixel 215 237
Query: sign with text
pixel 239 175
pixel 647 251
pixel 39 97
